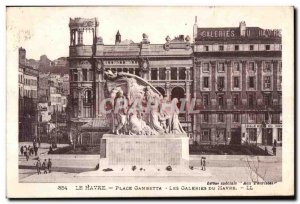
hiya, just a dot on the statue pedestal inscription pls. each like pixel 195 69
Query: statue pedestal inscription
pixel 142 151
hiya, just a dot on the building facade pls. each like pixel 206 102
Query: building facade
pixel 233 73
pixel 28 90
pixel 238 76
pixel 167 66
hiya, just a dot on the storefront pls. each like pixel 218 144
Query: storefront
pixel 259 134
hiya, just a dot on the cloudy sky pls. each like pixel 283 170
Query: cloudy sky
pixel 44 30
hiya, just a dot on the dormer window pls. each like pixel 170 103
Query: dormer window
pixel 206 48
pixel 267 47
pixel 236 48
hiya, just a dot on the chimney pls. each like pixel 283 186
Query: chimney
pixel 243 28
pixel 195 27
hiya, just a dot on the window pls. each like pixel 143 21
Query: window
pixel 235 117
pixel 173 73
pixel 220 117
pixel 91 75
pixel 267 99
pixel 236 47
pixel 252 133
pixel 221 67
pixel 236 82
pixel 267 47
pixel 221 48
pixel 205 82
pixel 251 100
pixel 252 117
pixel 205 117
pixel 279 99
pixel 154 74
pixel 205 99
pixel 252 82
pixel 236 66
pixel 221 83
pixel 251 47
pixel 267 117
pixel 280 67
pixel 205 135
pixel 267 82
pixel 162 74
pixel 182 75
pixel 279 134
pixel 206 48
pixel 75 75
pixel 87 97
pixel 235 99
pixel 205 67
pixel 84 75
pixel 221 99
pixel 252 66
pixel 267 67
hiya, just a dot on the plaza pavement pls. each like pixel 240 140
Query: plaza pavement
pixel 219 168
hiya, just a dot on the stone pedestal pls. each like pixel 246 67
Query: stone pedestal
pixel 144 151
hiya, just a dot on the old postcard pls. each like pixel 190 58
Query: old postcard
pixel 150 101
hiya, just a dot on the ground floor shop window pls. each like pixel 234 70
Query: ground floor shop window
pixel 252 134
pixel 221 135
pixel 205 136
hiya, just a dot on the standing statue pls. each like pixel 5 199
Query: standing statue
pixel 175 126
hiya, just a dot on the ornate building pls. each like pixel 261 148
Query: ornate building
pixel 169 67
pixel 233 73
pixel 238 76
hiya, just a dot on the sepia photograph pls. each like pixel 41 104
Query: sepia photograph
pixel 141 101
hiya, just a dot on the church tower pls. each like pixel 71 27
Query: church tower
pixel 118 38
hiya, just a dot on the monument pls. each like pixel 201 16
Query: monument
pixel 145 130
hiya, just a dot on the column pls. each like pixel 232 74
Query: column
pixel 168 73
pixel 274 78
pixel 168 92
pixel 228 76
pixel 259 82
pixel 244 83
pixel 213 84
pixel 71 37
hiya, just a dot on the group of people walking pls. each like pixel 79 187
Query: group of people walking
pixel 44 167
pixel 29 151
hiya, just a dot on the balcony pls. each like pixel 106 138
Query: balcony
pixel 81 50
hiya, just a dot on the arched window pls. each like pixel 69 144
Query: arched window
pixel 88 97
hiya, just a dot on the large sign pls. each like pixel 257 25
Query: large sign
pixel 260 125
pixel 216 33
pixel 251 32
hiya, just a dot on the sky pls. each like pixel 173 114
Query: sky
pixel 45 30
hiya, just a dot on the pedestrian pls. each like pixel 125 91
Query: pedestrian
pixel 274 150
pixel 25 149
pixel 50 150
pixel 29 150
pixel 34 143
pixel 204 163
pixel 26 154
pixel 49 165
pixel 36 150
pixel 275 142
pixel 201 163
pixel 38 166
pixel 44 166
pixel 22 150
pixel 39 141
